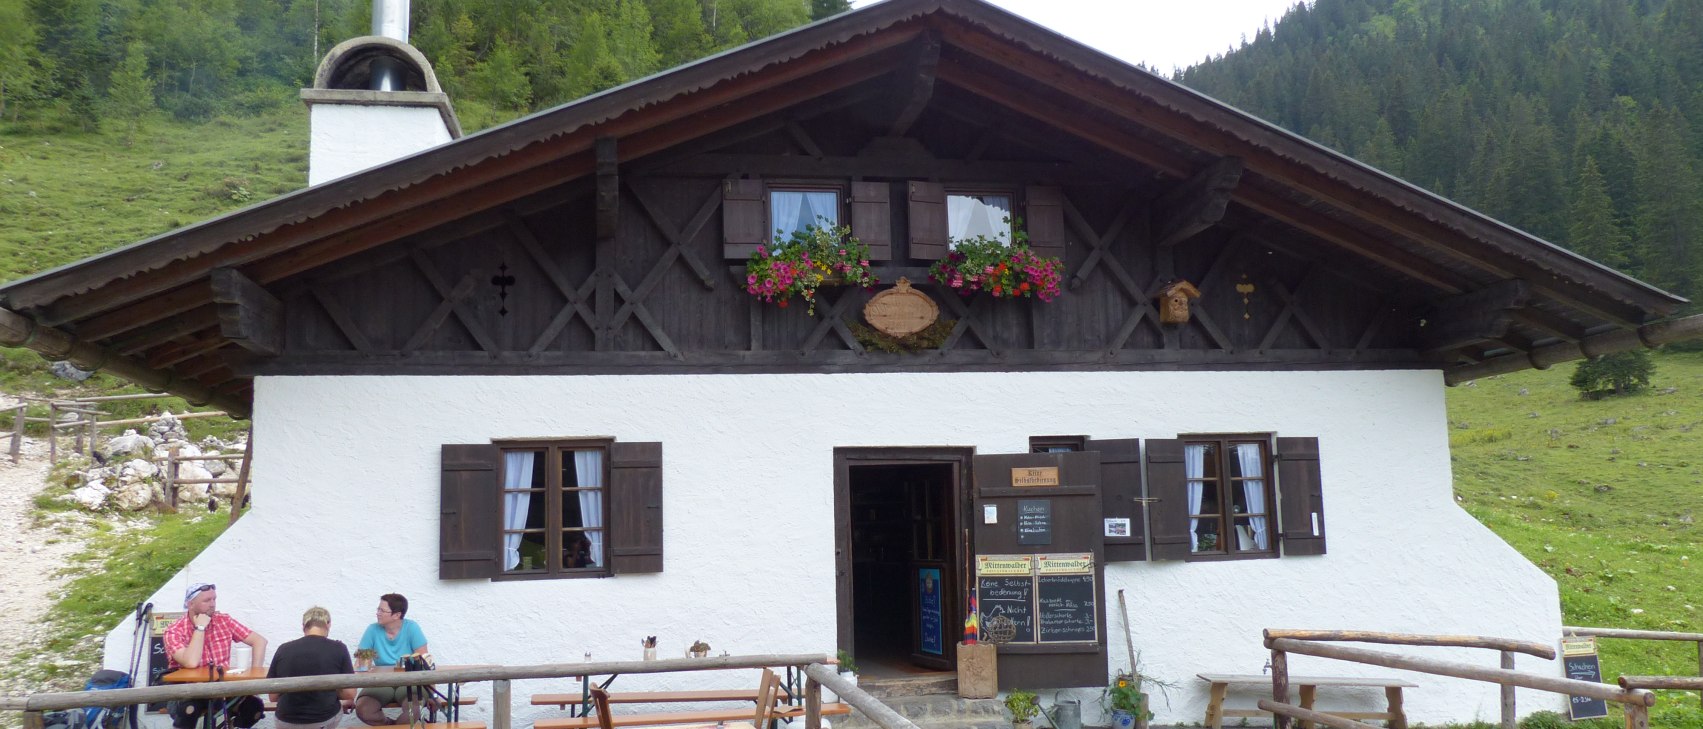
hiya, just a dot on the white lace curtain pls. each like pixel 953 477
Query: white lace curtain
pixel 1194 470
pixel 517 474
pixel 588 471
pixel 794 209
pixel 968 216
pixel 1253 489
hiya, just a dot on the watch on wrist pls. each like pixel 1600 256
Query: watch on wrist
pixel 200 628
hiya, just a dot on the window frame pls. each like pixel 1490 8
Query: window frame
pixel 840 188
pixel 554 494
pixel 1057 443
pixel 1226 521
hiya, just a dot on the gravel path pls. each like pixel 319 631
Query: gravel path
pixel 31 554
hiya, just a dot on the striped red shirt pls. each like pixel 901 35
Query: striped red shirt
pixel 222 631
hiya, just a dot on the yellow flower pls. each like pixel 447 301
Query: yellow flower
pixel 1122 683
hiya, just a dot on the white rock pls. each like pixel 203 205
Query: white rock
pixel 217 468
pixel 127 444
pixel 135 496
pixel 193 471
pixel 191 493
pixel 89 498
pixel 141 467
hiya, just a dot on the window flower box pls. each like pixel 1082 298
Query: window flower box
pixel 811 258
pixel 1003 271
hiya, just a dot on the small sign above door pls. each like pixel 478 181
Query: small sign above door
pixel 1005 564
pixel 1031 477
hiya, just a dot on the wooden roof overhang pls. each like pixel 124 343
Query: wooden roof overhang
pixel 178 311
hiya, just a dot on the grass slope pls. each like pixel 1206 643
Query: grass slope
pixel 1603 495
pixel 67 196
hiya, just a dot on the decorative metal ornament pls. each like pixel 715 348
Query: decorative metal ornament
pixel 901 311
pixel 502 281
pixel 1174 302
pixel 1244 288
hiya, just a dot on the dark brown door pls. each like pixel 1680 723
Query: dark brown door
pixel 1044 505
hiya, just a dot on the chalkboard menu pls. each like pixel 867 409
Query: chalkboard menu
pixel 1035 521
pixel 1012 597
pixel 1066 608
pixel 157 660
pixel 1579 661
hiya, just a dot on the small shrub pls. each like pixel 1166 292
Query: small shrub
pixel 1613 374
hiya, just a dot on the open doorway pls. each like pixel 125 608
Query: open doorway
pixel 901 545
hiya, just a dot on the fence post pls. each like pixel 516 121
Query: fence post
pixel 500 704
pixel 90 425
pixel 18 431
pixel 171 477
pixel 812 703
pixel 1280 686
pixel 32 720
pixel 1510 717
pixel 52 433
pixel 77 435
pixel 242 476
pixel 1700 669
pixel 1637 716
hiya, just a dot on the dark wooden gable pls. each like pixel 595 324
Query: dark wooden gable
pixel 605 235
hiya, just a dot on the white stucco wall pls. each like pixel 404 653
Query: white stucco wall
pixel 346 508
pixel 348 138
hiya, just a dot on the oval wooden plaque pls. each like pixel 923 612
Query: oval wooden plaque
pixel 901 311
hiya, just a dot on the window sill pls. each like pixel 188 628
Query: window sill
pixel 1239 557
pixel 528 576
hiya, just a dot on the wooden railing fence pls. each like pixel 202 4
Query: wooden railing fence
pixel 86 426
pixel 1311 643
pixel 1681 683
pixel 817 675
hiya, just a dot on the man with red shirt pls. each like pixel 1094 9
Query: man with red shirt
pixel 203 637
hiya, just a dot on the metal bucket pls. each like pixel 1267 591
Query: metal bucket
pixel 1067 714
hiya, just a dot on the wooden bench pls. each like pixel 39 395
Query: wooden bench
pixel 452 725
pixel 683 717
pixel 465 701
pixel 1309 685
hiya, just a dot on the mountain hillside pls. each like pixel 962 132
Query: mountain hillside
pixel 1578 120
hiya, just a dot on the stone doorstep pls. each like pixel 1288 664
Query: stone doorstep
pixel 937 712
pixel 932 684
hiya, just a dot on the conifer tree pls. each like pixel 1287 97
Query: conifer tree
pixel 820 9
pixel 18 55
pixel 1591 228
pixel 1669 218
pixel 679 31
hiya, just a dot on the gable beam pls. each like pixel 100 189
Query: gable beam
pixel 189 322
pixel 1197 204
pixel 481 185
pixel 919 86
pixel 249 315
pixel 1473 317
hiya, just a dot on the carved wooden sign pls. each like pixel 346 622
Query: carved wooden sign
pixel 901 311
pixel 1031 477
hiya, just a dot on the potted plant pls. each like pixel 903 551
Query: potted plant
pixel 699 649
pixel 809 259
pixel 1002 270
pixel 1127 702
pixel 1023 705
pixel 364 658
pixel 848 671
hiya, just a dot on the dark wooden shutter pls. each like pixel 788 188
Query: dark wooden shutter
pixel 1120 496
pixel 635 508
pixel 872 218
pixel 928 220
pixel 468 520
pixel 744 217
pixel 1167 485
pixel 1045 221
pixel 1300 493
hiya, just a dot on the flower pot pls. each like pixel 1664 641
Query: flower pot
pixel 1020 725
pixel 1123 720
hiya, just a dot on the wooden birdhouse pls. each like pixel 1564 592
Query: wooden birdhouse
pixel 1174 302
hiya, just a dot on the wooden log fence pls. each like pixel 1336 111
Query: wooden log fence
pixel 1636 702
pixel 1683 683
pixel 814 667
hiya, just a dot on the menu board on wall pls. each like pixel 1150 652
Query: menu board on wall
pixel 1052 598
pixel 1035 521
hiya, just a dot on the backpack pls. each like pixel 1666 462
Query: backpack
pixel 105 717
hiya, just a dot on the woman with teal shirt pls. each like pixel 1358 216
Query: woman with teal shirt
pixel 390 639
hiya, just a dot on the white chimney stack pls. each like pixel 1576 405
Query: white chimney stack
pixel 374 100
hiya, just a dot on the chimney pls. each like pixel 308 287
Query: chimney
pixel 374 99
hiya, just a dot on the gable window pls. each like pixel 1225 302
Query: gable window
pixel 553 508
pixel 550 507
pixel 971 215
pixel 792 211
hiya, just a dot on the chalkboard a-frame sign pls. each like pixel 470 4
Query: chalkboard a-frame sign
pixel 1579 661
